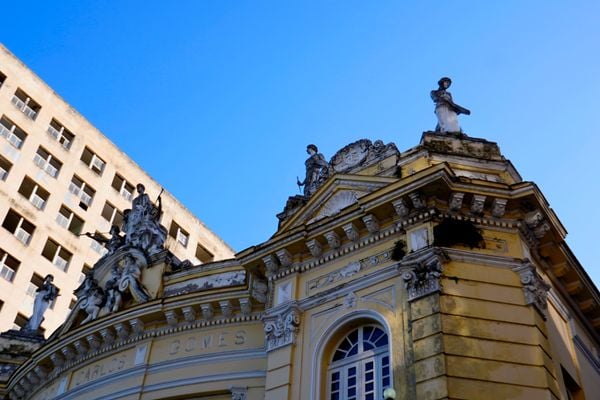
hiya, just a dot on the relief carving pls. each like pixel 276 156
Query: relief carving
pixel 281 329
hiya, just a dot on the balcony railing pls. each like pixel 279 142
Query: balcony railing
pixel 31 289
pixel 45 165
pixel 9 135
pixel 59 136
pixel 21 105
pixel 22 235
pixel 37 201
pixel 6 272
pixel 76 190
pixel 60 262
pixel 63 221
pixel 97 163
pixel 182 238
pixel 85 198
pixel 97 247
pixel 73 188
pixel 126 193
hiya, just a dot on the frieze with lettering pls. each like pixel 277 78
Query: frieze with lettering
pixel 101 369
pixel 202 342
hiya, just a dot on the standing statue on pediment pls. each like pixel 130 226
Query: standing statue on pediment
pixel 45 295
pixel 142 223
pixel 317 170
pixel 114 297
pixel 111 245
pixel 90 297
pixel 445 109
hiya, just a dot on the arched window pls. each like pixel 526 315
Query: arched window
pixel 360 366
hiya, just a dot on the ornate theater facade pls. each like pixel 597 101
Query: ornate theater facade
pixel 433 273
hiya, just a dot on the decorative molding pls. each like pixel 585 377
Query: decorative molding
pixel 315 247
pixel 245 306
pixel 281 328
pixel 189 313
pixel 333 239
pixel 499 207
pixel 371 222
pixel 351 269
pixel 456 200
pixel 400 207
pixel 285 257
pixel 350 300
pixel 207 311
pixel 478 204
pixel 423 278
pixel 108 336
pixel 239 392
pixel 587 352
pixel 270 265
pixel 534 286
pixel 337 203
pixel 417 200
pixel 385 297
pixel 351 231
pixel 171 317
pixel 259 290
pixel 137 325
pixel 214 281
pixel 226 308
pixel 122 329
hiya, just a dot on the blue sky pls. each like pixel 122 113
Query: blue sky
pixel 218 99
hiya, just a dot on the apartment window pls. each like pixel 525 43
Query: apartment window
pixel 94 162
pixel 20 321
pixel 82 190
pixel 203 254
pixel 97 246
pixel 11 132
pixel 178 233
pixel 2 79
pixel 35 283
pixel 5 167
pixel 18 226
pixel 61 134
pixel 37 195
pixel 57 254
pixel 69 220
pixel 121 185
pixel 574 392
pixel 47 162
pixel 84 272
pixel 8 266
pixel 112 214
pixel 23 102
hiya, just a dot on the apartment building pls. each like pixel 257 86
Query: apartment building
pixel 59 178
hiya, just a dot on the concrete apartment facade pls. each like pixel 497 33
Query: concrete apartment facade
pixel 436 272
pixel 61 177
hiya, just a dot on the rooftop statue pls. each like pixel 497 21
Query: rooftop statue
pixel 445 108
pixel 45 295
pixel 141 223
pixel 317 170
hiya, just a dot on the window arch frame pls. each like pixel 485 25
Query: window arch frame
pixel 334 331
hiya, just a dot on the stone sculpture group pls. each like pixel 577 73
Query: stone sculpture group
pixel 143 236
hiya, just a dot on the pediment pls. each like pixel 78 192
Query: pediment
pixel 334 197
